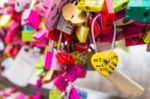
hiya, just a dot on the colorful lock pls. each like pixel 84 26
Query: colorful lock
pixel 31 18
pixel 119 5
pixel 108 16
pixel 74 72
pixel 48 59
pixel 91 5
pixel 54 35
pixel 27 27
pixel 60 83
pixel 55 94
pixel 40 35
pixel 5 20
pixel 82 33
pixel 53 13
pixel 65 58
pixel 12 26
pixel 105 63
pixel 147 38
pixel 97 28
pixel 81 47
pixel 27 36
pixel 74 94
pixel 138 10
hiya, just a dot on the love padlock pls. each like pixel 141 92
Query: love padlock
pixel 105 63
pixel 119 5
pixel 31 18
pixel 60 83
pixel 76 16
pixel 5 20
pixel 91 5
pixel 65 58
pixel 27 35
pixel 40 35
pixel 53 13
pixel 74 72
pixel 108 16
pixel 12 26
pixel 147 37
pixel 74 94
pixel 81 47
pixel 54 35
pixel 21 5
pixel 138 10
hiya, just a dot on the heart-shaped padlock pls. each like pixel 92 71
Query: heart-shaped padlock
pixel 105 63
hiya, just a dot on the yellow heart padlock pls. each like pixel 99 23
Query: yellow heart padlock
pixel 105 63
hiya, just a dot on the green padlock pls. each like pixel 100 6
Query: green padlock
pixel 27 35
pixel 147 37
pixel 138 10
pixel 39 67
pixel 119 4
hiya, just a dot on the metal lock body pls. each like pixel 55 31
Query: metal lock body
pixel 138 10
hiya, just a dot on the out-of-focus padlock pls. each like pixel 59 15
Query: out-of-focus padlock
pixel 147 37
pixel 60 83
pixel 119 5
pixel 40 35
pixel 21 5
pixel 75 16
pixel 53 13
pixel 54 35
pixel 74 72
pixel 27 35
pixel 12 26
pixel 138 10
pixel 108 16
pixel 30 17
pixel 74 94
pixel 91 5
pixel 97 28
pixel 64 58
pixel 5 19
pixel 81 47
pixel 83 31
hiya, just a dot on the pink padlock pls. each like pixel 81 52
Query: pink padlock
pixel 38 83
pixel 74 72
pixel 48 59
pixel 53 13
pixel 40 9
pixel 39 43
pixel 38 95
pixel 10 36
pixel 60 83
pixel 12 26
pixel 74 94
pixel 55 64
pixel 31 18
pixel 40 35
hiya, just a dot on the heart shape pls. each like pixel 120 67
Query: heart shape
pixel 105 63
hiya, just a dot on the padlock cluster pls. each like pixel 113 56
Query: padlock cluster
pixel 64 31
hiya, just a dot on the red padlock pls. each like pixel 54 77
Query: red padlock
pixel 97 28
pixel 65 58
pixel 81 47
pixel 68 37
pixel 54 35
pixel 108 16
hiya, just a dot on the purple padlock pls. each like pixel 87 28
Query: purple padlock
pixel 31 18
pixel 74 94
pixel 40 35
pixel 74 72
pixel 40 9
pixel 60 83
pixel 53 13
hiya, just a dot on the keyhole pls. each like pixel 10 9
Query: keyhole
pixel 106 60
pixel 72 16
pixel 146 14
